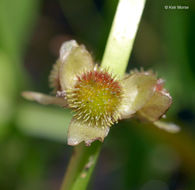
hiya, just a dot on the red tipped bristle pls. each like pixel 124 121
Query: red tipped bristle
pixel 160 85
pixel 97 96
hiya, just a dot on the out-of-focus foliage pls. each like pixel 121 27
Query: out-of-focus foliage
pixel 16 20
pixel 33 153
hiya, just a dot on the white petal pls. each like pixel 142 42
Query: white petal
pixel 138 88
pixel 74 59
pixel 44 99
pixel 156 106
pixel 170 127
pixel 66 48
pixel 78 132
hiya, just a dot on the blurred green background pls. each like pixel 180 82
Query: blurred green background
pixel 135 156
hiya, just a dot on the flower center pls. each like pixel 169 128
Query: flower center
pixel 95 98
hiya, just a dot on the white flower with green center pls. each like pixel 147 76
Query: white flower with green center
pixel 99 99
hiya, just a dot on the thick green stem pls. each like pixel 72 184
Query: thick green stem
pixel 116 56
pixel 81 166
pixel 122 35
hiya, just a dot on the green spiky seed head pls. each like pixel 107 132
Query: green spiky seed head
pixel 95 98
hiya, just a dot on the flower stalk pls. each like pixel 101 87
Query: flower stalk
pixel 116 56
pixel 122 35
pixel 81 166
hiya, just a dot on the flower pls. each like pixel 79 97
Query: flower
pixel 99 99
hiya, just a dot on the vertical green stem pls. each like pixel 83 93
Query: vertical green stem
pixel 81 166
pixel 116 56
pixel 122 35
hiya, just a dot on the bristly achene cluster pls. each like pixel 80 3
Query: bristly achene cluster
pixel 98 99
pixel 95 98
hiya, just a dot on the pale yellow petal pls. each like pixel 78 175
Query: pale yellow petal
pixel 54 77
pixel 66 48
pixel 138 88
pixel 78 132
pixel 156 106
pixel 169 127
pixel 75 60
pixel 44 99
